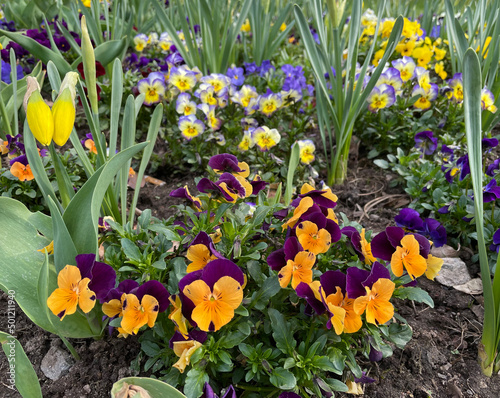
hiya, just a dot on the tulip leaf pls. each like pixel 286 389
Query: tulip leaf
pixel 154 387
pixel 21 263
pixel 106 52
pixel 26 380
pixel 82 213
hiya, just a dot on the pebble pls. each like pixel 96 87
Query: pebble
pixel 56 363
pixel 474 286
pixel 453 272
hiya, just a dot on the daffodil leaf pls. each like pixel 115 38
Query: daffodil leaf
pixel 19 369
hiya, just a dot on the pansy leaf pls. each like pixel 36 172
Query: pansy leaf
pixel 283 379
pixel 195 381
pixel 26 380
pixel 270 287
pixel 282 332
pixel 154 387
pixel 399 334
pixel 415 294
pixel 337 385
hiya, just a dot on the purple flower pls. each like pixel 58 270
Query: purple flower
pixel 250 68
pixel 289 394
pixel 225 162
pixel 357 279
pixel 495 246
pixel 385 242
pixel 409 219
pixel 425 142
pixel 278 259
pixel 6 69
pixel 490 170
pixel 237 75
pixel 491 192
pixel 266 67
pixel 258 185
pixel 463 163
pixel 185 194
pixel 102 276
pixel 175 58
pixel 434 231
pixel 208 392
pixel 355 238
pixel 488 144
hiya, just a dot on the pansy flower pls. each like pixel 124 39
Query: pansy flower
pixel 212 121
pixel 247 141
pixel 212 294
pixel 426 142
pixel 234 187
pixel 457 89
pixel 409 219
pixel 190 127
pixel 208 392
pixel 258 184
pixel 244 95
pixel 142 305
pixel 312 293
pixel 266 138
pixel 305 205
pixel 21 169
pixel 289 97
pixel 184 105
pixel 408 256
pixel 375 304
pixel 297 270
pixel 113 305
pixel 185 346
pixel 426 96
pixel 270 103
pixel 434 265
pixel 226 162
pixel 72 291
pixel 436 232
pixel 89 143
pixel 200 252
pixel 382 96
pixel 306 151
pixel 217 81
pixel 153 87
pixel 463 163
pixel 488 100
pixel 237 75
pixel 391 77
pixel 406 67
pixel 279 258
pixel 324 198
pixel 491 192
pixel 182 79
pixel 185 194
pixel 336 298
pixel 102 276
pixel 140 42
pixel 312 238
pixel 495 245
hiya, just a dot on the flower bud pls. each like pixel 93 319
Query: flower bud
pixel 88 58
pixel 63 110
pixel 38 114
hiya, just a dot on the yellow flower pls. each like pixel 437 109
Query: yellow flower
pixel 214 306
pixel 297 270
pixel 199 255
pixel 434 265
pixel 376 302
pixel 246 26
pixel 72 291
pixel 408 256
pixel 406 47
pixel 423 56
pixel 312 239
pixel 137 314
pixel 377 57
pixel 184 350
pixel 439 69
pixel 366 249
pixel 283 27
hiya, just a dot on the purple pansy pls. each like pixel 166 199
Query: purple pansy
pixel 102 276
pixel 426 142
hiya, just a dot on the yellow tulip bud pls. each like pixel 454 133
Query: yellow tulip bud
pixel 63 110
pixel 38 113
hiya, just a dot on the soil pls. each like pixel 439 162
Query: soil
pixel 440 360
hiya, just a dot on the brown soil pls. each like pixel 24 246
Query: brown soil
pixel 440 360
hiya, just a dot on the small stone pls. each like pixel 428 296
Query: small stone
pixel 444 251
pixel 453 272
pixel 55 363
pixel 86 388
pixel 474 286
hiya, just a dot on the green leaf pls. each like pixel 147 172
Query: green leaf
pixel 292 166
pixel 270 288
pixel 40 52
pixel 414 294
pixel 154 387
pixel 383 164
pixel 195 380
pixel 232 339
pixel 82 214
pixel 19 369
pixel 282 332
pixel 337 385
pixel 283 379
pixel 131 250
pixel 399 334
pixel 20 267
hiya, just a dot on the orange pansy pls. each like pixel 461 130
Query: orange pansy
pixel 22 172
pixel 72 291
pixel 304 205
pixel 200 255
pixel 408 256
pixel 312 239
pixel 297 270
pixel 376 302
pixel 137 314
pixel 366 249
